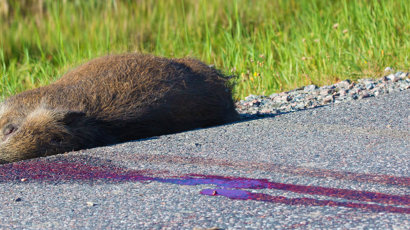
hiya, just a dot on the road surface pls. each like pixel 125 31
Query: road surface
pixel 339 166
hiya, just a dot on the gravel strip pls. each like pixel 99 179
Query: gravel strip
pixel 311 96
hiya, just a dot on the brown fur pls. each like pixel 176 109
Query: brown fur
pixel 113 99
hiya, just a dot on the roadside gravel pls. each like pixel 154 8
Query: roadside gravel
pixel 311 96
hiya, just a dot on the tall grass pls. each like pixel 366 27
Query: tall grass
pixel 270 45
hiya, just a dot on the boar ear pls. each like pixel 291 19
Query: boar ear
pixel 70 117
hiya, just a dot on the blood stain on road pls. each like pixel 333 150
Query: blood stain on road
pixel 94 170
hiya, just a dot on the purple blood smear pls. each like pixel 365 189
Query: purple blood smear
pixel 245 195
pixel 238 182
pixel 90 170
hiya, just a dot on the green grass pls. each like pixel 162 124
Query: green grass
pixel 271 45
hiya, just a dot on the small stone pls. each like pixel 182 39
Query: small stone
pixel 404 75
pixel 286 98
pixel 354 96
pixel 300 106
pixel 344 84
pixel 299 98
pixel 369 85
pixel 388 69
pixel 90 204
pixel 314 93
pixel 254 112
pixel 23 179
pixel 325 92
pixel 250 97
pixel 309 104
pixel 277 100
pixel 328 99
pixel 18 199
pixel 255 102
pixel 309 88
pixel 392 77
pixel 364 95
pixel 398 74
pixel 342 92
pixel 328 87
pixel 340 98
pixel 309 97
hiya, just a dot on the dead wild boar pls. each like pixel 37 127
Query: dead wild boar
pixel 114 99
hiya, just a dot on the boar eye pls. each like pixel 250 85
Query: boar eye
pixel 9 129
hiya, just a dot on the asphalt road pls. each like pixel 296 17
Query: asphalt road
pixel 341 166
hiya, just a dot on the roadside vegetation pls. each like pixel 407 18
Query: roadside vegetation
pixel 270 46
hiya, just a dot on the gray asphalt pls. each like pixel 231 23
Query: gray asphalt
pixel 342 166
